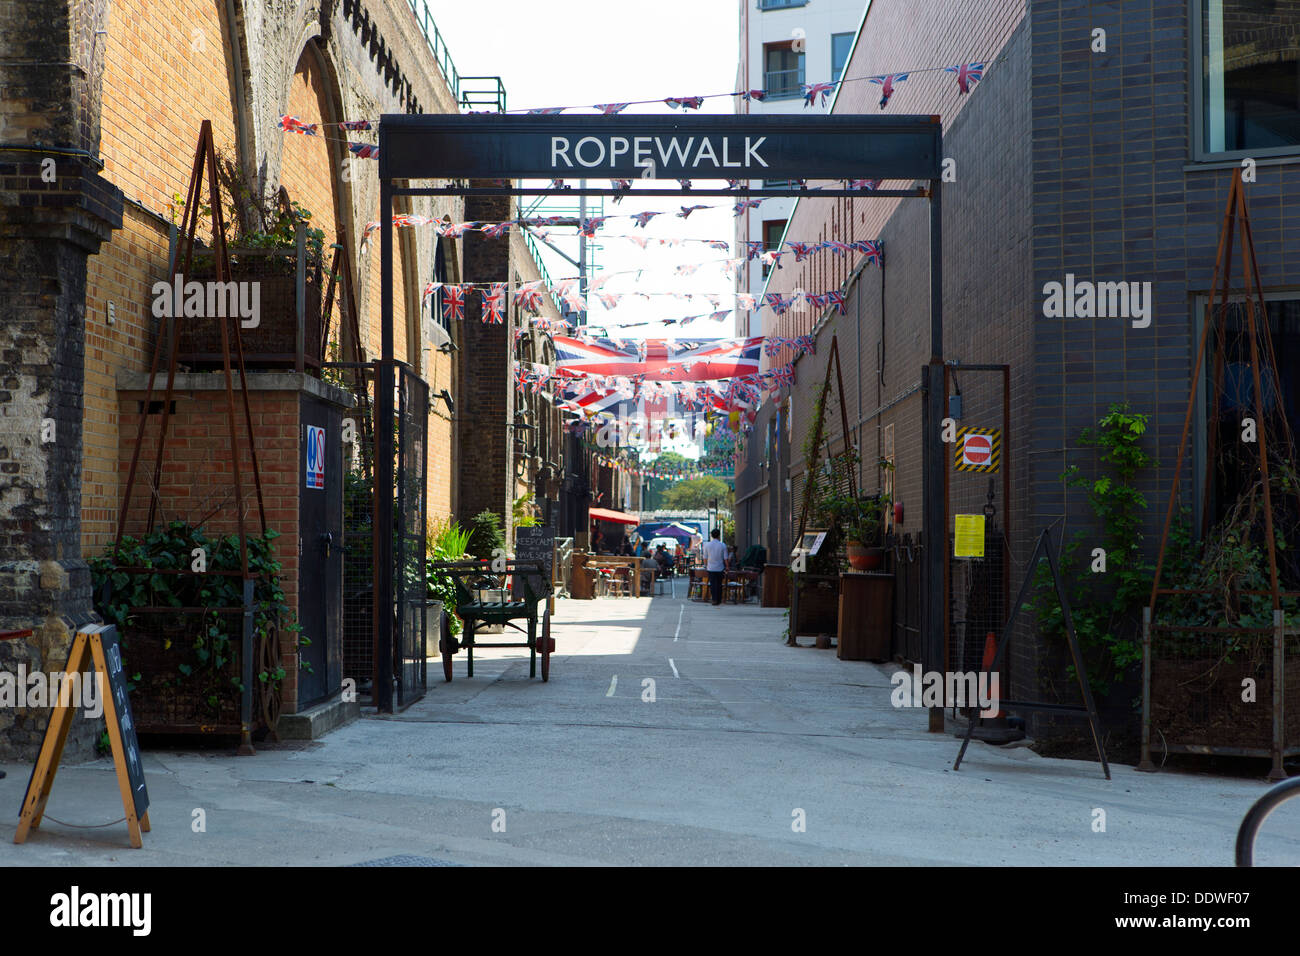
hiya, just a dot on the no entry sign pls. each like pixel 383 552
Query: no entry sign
pixel 978 449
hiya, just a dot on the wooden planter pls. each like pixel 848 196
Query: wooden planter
pixel 273 343
pixel 815 604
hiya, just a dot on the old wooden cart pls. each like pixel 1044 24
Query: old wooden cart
pixel 501 593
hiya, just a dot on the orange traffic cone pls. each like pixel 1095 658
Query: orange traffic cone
pixel 990 654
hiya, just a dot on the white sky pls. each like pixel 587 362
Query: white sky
pixel 583 52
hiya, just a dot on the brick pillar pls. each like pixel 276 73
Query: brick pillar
pixel 485 403
pixel 55 210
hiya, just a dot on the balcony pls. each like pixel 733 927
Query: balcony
pixel 783 84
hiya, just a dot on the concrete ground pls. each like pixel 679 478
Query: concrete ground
pixel 744 738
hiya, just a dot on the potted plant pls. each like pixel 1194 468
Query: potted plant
pixel 863 522
pixel 446 542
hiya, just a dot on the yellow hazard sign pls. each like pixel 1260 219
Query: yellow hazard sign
pixel 978 449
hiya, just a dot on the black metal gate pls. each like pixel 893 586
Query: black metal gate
pixel 409 497
pixel 976 516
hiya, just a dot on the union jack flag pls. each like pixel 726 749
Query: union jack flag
pixel 359 126
pixel 776 301
pixel 556 184
pixel 430 289
pixel 753 249
pixel 497 230
pixel 872 249
pixel 687 210
pixel 773 344
pixel 686 185
pixel 611 108
pixel 685 102
pixel 801 250
pixel 457 229
pixel 836 246
pixel 772 258
pixel 520 376
pixel 720 245
pixel 529 297
pixel 812 90
pixel 608 299
pixel 291 124
pixel 363 150
pixel 968 74
pixel 816 299
pixel 494 303
pixel 661 358
pixel 546 111
pixel 746 301
pixel 887 86
pixel 836 298
pixel 784 376
pixel 453 302
pixel 805 343
pixel 589 226
pixel 644 217
pixel 744 204
pixel 735 183
pixel 757 95
pixel 719 315
pixel 864 183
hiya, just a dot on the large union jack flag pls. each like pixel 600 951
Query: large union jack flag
pixel 494 303
pixel 453 302
pixel 660 359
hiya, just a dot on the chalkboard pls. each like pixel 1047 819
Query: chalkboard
pixel 536 544
pixel 116 680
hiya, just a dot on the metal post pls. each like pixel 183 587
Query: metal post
pixel 383 529
pixel 1279 702
pixel 246 675
pixel 1145 763
pixel 934 529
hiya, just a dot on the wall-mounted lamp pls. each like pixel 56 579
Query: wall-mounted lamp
pixel 446 348
pixel 448 400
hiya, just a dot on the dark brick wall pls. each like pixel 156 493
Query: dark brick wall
pixel 485 399
pixel 52 215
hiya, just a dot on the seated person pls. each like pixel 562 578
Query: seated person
pixel 664 560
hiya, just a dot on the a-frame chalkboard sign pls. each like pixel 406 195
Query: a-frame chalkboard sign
pixel 99 643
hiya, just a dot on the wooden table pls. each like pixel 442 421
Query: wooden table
pixel 595 561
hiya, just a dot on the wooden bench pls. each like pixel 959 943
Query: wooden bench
pixel 530 588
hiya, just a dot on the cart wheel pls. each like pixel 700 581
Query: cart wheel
pixel 546 648
pixel 445 643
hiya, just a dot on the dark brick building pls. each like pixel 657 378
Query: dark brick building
pixel 1099 144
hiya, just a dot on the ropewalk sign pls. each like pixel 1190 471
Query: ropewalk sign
pixel 495 146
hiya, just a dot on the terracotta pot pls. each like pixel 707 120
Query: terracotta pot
pixel 862 558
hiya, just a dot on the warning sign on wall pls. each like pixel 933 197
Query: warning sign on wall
pixel 978 449
pixel 315 457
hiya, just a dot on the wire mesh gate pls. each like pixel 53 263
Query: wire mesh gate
pixel 977 488
pixel 409 493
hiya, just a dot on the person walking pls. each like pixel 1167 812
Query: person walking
pixel 715 564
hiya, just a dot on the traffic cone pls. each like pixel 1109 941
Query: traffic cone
pixel 990 655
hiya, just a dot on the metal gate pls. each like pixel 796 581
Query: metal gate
pixel 977 487
pixel 409 494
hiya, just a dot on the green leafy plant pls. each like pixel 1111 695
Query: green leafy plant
pixel 1105 607
pixel 523 512
pixel 447 541
pixel 486 535
pixel 209 641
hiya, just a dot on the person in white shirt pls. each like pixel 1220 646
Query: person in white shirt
pixel 715 564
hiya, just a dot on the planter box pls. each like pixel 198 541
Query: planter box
pixel 815 608
pixel 273 343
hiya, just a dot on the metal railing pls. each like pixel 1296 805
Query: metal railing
pixel 782 83
pixel 490 92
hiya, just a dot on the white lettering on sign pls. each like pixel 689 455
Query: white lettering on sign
pixel 691 152
pixel 315 457
pixel 977 449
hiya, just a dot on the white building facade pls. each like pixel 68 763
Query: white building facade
pixel 783 45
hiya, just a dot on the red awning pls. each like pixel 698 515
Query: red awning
pixel 604 514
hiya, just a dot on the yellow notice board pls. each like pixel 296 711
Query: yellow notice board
pixel 969 540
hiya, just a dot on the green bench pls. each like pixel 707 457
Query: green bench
pixel 530 588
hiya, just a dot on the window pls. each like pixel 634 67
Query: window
pixel 439 275
pixel 780 4
pixel 1247 94
pixel 773 229
pixel 782 70
pixel 778 184
pixel 841 44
